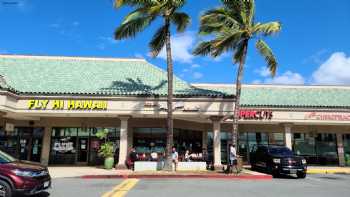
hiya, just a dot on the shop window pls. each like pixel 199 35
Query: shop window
pixel 318 149
pixel 148 140
pixel 346 142
pixel 72 145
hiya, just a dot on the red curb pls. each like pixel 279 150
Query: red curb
pixel 191 176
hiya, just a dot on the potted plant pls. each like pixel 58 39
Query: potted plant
pixel 106 149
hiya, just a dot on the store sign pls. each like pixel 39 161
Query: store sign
pixel 328 116
pixel 255 114
pixel 67 104
pixel 63 147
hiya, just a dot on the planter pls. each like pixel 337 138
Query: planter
pixel 109 162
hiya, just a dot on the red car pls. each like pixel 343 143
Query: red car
pixel 22 177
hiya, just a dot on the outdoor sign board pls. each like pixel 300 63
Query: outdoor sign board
pixel 67 104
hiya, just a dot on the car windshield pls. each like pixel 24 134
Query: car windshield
pixel 6 158
pixel 282 151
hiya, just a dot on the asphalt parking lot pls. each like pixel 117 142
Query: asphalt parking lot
pixel 313 185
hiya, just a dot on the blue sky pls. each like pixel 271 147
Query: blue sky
pixel 312 48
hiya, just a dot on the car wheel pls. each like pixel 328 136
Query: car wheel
pixel 301 175
pixel 5 189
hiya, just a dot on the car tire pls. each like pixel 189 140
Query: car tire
pixel 301 175
pixel 5 189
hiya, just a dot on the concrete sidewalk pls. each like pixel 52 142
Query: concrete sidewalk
pixel 78 171
pixel 327 170
pixel 95 172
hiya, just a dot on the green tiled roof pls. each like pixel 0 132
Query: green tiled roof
pixel 93 76
pixel 288 96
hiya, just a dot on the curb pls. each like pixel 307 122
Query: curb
pixel 329 171
pixel 194 176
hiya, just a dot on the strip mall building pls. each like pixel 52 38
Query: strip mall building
pixel 52 107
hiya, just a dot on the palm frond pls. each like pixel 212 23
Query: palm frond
pixel 181 20
pixel 250 11
pixel 132 27
pixel 267 28
pixel 120 3
pixel 204 48
pixel 267 53
pixel 218 16
pixel 140 12
pixel 236 9
pixel 225 42
pixel 158 41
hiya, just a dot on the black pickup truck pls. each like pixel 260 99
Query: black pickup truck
pixel 277 160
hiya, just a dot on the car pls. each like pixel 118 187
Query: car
pixel 22 177
pixel 277 160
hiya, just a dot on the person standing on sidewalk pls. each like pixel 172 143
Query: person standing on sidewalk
pixel 175 157
pixel 232 159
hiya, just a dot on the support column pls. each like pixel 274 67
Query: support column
pixel 288 136
pixel 217 141
pixel 340 148
pixel 205 140
pixel 45 150
pixel 123 146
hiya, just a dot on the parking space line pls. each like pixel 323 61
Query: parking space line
pixel 122 189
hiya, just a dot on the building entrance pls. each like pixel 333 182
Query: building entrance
pixel 70 146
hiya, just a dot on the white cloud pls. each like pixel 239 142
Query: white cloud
pixel 287 77
pixel 335 70
pixel 105 41
pixel 263 71
pixel 139 55
pixel 181 47
pixel 197 75
pixel 195 66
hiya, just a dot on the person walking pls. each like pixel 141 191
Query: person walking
pixel 175 158
pixel 232 159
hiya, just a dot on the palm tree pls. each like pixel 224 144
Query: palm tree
pixel 146 11
pixel 233 25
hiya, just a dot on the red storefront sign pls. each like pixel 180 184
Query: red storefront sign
pixel 255 114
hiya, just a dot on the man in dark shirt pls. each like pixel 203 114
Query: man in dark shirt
pixel 133 157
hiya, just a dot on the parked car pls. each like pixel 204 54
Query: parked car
pixel 22 177
pixel 277 160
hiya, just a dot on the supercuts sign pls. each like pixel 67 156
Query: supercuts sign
pixel 248 114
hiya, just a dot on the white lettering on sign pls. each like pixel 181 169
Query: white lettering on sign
pixel 327 116
pixel 63 147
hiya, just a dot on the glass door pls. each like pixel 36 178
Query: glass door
pixel 83 149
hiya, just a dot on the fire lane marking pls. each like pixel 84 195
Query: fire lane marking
pixel 122 189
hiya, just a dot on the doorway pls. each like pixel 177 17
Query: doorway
pixel 83 150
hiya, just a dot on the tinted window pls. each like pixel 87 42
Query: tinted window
pixel 282 151
pixel 5 158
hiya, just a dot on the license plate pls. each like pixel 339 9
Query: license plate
pixel 46 184
pixel 293 171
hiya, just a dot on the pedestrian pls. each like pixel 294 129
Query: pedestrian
pixel 133 157
pixel 187 155
pixel 175 158
pixel 232 159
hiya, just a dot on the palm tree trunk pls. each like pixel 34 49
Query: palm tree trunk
pixel 238 96
pixel 170 123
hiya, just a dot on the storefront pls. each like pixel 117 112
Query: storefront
pixel 78 145
pixel 51 112
pixel 24 143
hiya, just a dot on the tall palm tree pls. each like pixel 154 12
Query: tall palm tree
pixel 146 11
pixel 233 25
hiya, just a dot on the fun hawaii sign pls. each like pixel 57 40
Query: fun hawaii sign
pixel 67 104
